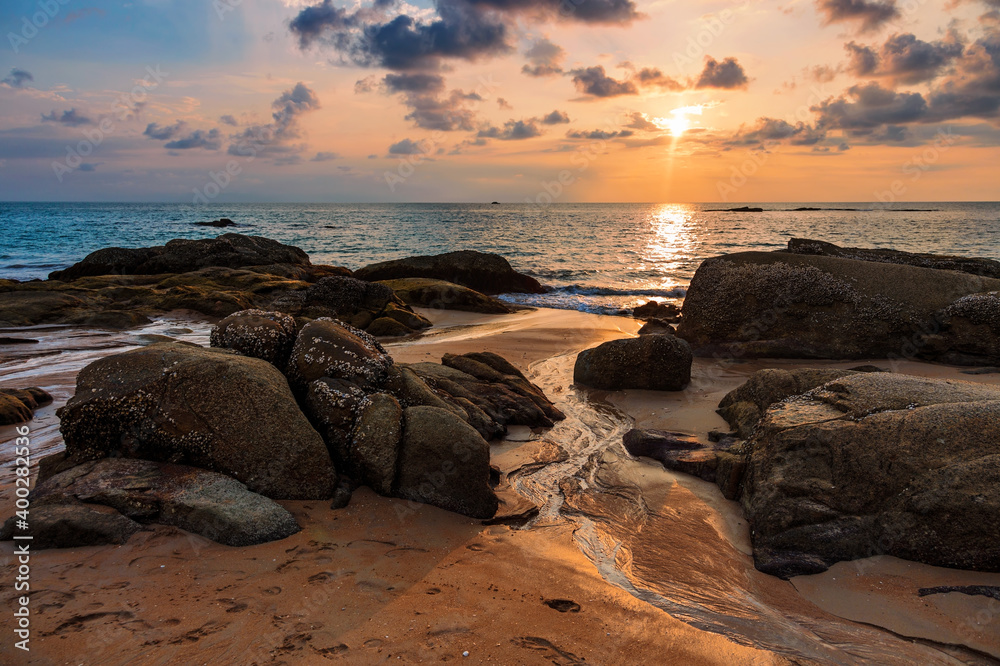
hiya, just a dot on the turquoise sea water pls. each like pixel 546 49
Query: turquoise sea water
pixel 598 257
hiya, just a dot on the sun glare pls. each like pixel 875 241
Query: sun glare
pixel 679 121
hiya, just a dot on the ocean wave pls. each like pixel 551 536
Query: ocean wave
pixel 584 290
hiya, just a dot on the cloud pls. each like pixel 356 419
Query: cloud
pixel 460 30
pixel 775 130
pixel 650 77
pixel 544 58
pixel 595 81
pixel 866 108
pixel 504 104
pixel 555 118
pixel 160 133
pixel 414 83
pixel 325 157
pixel 228 120
pixel 727 75
pixel 639 121
pixel 513 130
pixel 600 135
pixel 71 118
pixel 275 139
pixel 447 113
pixel 871 14
pixel 210 140
pixel 17 78
pixel 904 58
pixel 89 166
pixel 407 147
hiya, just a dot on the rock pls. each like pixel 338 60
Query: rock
pixel 19 405
pixel 257 333
pixel 412 391
pixel 744 406
pixel 407 317
pixel 329 348
pixel 342 297
pixel 206 503
pixel 738 209
pixel 30 308
pixel 974 266
pixel 657 327
pixel 676 451
pixel 208 408
pixel 972 325
pixel 384 327
pixel 486 273
pixel 651 362
pixel 656 310
pixel 183 256
pixel 17 341
pixel 778 304
pixel 332 406
pixel 441 295
pixel 221 223
pixel 73 525
pixel 876 464
pixel 375 441
pixel 443 461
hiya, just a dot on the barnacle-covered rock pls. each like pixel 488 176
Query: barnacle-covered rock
pixel 208 408
pixel 257 333
pixel 330 348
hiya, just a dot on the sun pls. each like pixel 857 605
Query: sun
pixel 679 120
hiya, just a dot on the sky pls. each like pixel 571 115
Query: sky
pixel 509 100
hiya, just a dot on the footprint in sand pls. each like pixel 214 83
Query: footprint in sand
pixel 434 590
pixel 373 643
pixel 549 650
pixel 562 605
pixel 272 590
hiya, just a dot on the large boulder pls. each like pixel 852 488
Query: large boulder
pixel 971 265
pixel 778 304
pixel 212 505
pixel 486 273
pixel 330 348
pixel 332 406
pixel 19 405
pixel 72 525
pixel 209 408
pixel 257 333
pixel 183 256
pixel 443 461
pixel 442 295
pixel 375 441
pixel 652 362
pixel 876 464
pixel 973 330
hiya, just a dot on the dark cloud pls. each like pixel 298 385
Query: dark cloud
pixel 649 77
pixel 973 89
pixel 209 140
pixel 600 134
pixel 870 14
pixel 555 118
pixel 639 121
pixel 595 81
pixel 544 58
pixel 447 113
pixel 407 147
pixel 504 104
pixel 17 78
pixel 89 166
pixel 164 133
pixel 324 157
pixel 413 83
pixel 585 11
pixel 866 108
pixel 774 130
pixel 822 73
pixel 727 75
pixel 904 58
pixel 513 130
pixel 228 120
pixel 71 118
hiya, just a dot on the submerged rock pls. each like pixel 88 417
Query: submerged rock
pixel 212 505
pixel 486 273
pixel 652 362
pixel 208 408
pixel 778 304
pixel 441 295
pixel 875 464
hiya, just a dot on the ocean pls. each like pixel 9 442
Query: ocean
pixel 601 258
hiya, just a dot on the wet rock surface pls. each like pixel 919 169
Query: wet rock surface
pixel 442 295
pixel 19 405
pixel 487 273
pixel 651 362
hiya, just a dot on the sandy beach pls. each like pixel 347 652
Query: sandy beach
pixel 625 559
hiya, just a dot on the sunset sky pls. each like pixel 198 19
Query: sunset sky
pixel 481 100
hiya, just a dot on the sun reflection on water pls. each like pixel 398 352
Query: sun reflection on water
pixel 671 241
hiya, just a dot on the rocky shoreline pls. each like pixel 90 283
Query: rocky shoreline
pixel 296 399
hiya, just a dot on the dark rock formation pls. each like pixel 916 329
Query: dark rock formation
pixel 974 266
pixel 375 441
pixel 257 333
pixel 652 362
pixel 19 405
pixel 443 461
pixel 220 223
pixel 656 310
pixel 442 295
pixel 140 491
pixel 777 304
pixel 486 273
pixel 875 464
pixel 209 408
pixel 676 451
pixel 329 348
pixel 657 327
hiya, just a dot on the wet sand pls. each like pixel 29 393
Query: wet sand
pixel 639 565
